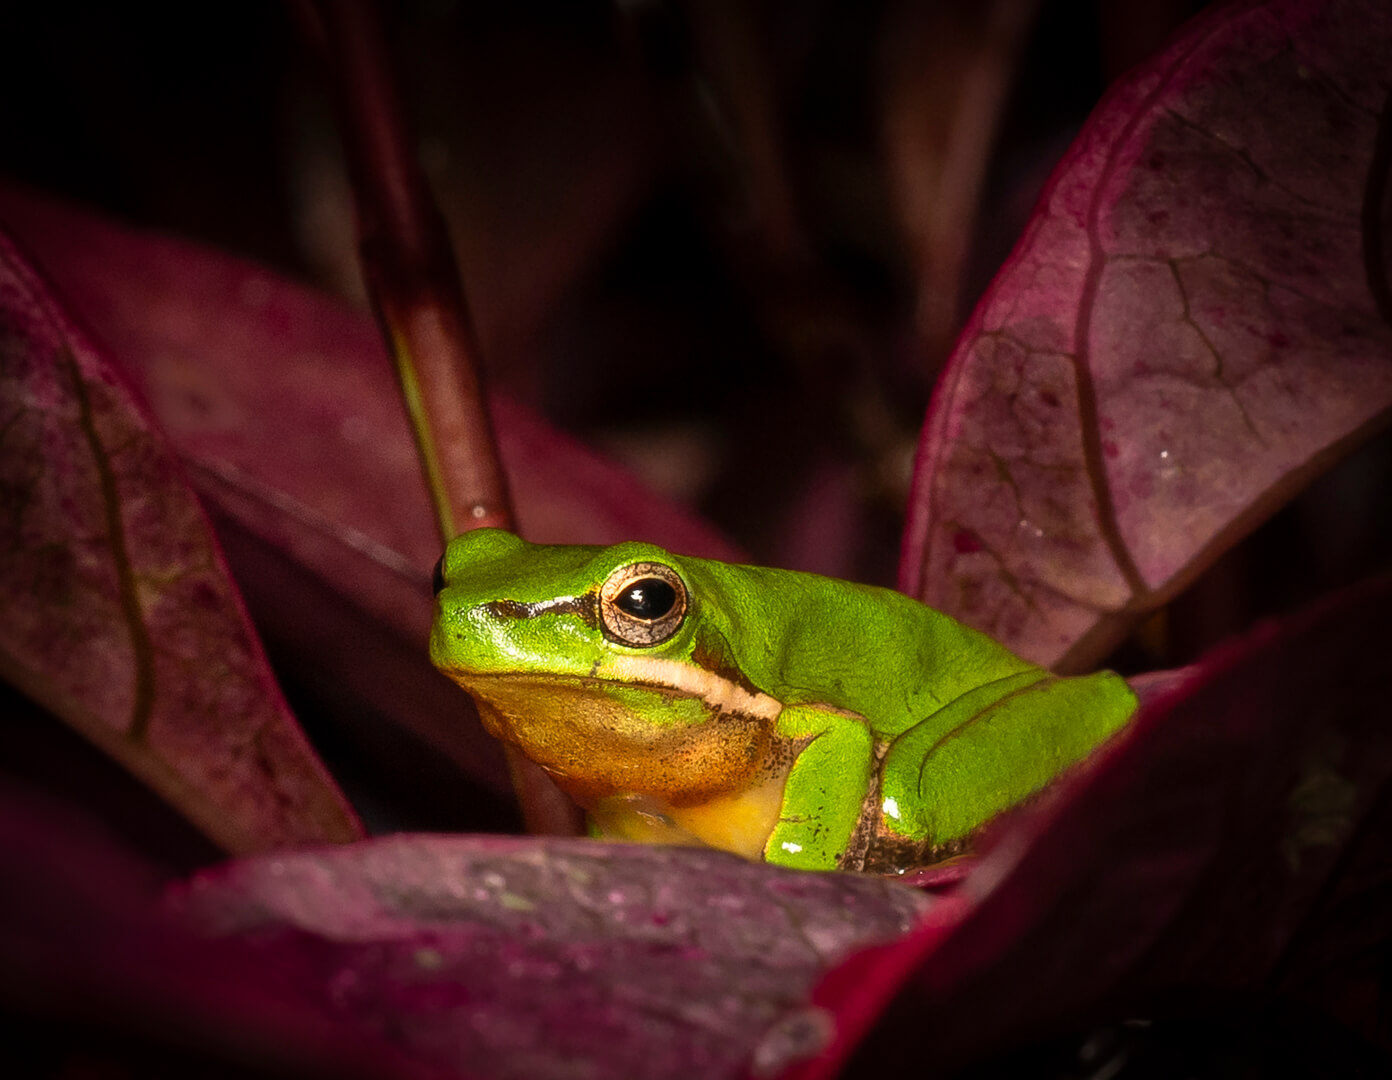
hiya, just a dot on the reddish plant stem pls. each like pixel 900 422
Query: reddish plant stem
pixel 410 272
pixel 412 278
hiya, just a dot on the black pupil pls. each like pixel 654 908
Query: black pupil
pixel 650 598
pixel 437 577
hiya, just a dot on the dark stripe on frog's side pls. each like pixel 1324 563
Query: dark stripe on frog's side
pixel 862 838
pixel 584 607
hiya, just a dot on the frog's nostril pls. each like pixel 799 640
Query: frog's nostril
pixel 437 577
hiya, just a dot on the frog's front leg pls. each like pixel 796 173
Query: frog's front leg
pixel 826 788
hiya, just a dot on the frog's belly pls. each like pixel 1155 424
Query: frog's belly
pixel 740 822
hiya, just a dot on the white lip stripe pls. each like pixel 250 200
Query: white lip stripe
pixel 714 689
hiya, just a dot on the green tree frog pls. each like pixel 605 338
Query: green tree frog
pixel 784 716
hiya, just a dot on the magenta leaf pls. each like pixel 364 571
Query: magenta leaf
pixel 97 980
pixel 283 405
pixel 521 957
pixel 1237 838
pixel 119 615
pixel 1194 324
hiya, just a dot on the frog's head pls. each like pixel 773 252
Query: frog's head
pixel 607 666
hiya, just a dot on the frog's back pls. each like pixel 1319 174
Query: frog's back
pixel 807 639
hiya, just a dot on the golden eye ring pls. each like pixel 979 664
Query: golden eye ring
pixel 642 604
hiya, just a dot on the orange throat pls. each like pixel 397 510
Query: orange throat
pixel 597 748
pixel 716 780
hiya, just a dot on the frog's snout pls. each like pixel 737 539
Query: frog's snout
pixel 472 549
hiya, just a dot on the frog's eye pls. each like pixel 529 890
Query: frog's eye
pixel 642 604
pixel 437 577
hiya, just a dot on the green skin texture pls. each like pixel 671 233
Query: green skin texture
pixel 962 729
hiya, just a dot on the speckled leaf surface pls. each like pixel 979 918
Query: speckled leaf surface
pixel 1239 838
pixel 510 957
pixel 119 616
pixel 1194 324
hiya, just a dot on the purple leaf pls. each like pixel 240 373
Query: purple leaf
pixel 528 958
pixel 283 405
pixel 119 615
pixel 96 979
pixel 1238 836
pixel 1194 324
